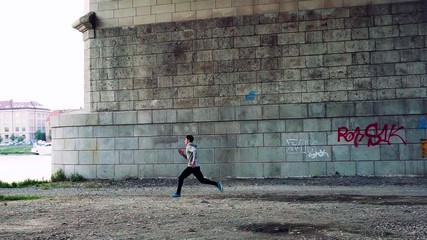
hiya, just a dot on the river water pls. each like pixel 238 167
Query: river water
pixel 18 168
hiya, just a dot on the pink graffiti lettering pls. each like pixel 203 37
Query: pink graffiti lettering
pixel 374 135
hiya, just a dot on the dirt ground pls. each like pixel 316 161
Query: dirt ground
pixel 306 208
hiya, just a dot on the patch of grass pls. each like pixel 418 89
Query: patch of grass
pixel 17 197
pixel 58 180
pixel 24 149
pixel 26 183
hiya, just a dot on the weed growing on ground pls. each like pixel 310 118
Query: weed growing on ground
pixel 17 197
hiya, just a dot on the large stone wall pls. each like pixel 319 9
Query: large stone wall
pixel 113 13
pixel 304 93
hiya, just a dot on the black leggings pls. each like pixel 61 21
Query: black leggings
pixel 197 173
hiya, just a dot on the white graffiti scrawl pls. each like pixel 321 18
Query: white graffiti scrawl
pixel 320 153
pixel 297 146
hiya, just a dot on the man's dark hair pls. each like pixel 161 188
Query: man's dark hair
pixel 190 138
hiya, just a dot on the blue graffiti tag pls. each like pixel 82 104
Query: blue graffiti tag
pixel 251 96
pixel 422 123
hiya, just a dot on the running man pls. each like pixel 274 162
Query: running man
pixel 193 166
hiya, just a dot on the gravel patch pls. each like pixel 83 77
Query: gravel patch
pixel 291 208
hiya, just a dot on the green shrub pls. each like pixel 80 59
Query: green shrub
pixel 4 185
pixel 75 177
pixel 29 183
pixel 58 176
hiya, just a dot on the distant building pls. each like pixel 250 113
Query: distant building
pixel 22 119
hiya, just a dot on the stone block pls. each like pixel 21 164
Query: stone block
pixel 317 124
pixel 272 139
pixel 271 154
pixel 270 112
pixel 206 156
pixel 70 132
pixel 395 107
pixel 146 171
pixel 314 49
pixel 294 169
pixel 69 170
pixel 248 112
pixel 341 168
pixel 184 115
pixel 294 125
pixel 145 156
pixel 365 168
pixel 291 38
pixel 316 110
pixel 360 45
pixel 87 171
pixel 268 126
pixel 125 143
pixel 125 171
pixel 167 170
pixel 247 41
pixel 70 157
pixel 248 154
pixel 64 144
pixel 227 155
pixel 166 156
pixel 248 127
pixel 125 131
pixel 105 171
pixel 417 168
pixel 410 68
pixel 205 114
pixel 389 168
pixel 389 152
pixel 105 143
pixel 317 169
pixel 105 131
pixel 272 170
pixel 250 140
pixel 340 153
pixel 165 129
pixel 86 158
pixel 85 132
pixel 164 116
pixel 364 153
pixel 212 171
pixel 339 109
pixel 337 59
pixel 318 139
pixel 106 157
pixel 293 111
pixel 86 144
pixel 315 73
pixel 126 157
pixel 166 142
pixel 145 130
pixel 250 170
pixel 415 106
pixel 229 128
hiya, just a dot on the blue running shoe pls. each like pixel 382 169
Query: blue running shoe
pixel 219 186
pixel 175 195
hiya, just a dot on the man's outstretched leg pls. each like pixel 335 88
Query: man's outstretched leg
pixel 187 172
pixel 199 175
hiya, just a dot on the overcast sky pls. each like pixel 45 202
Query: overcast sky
pixel 41 54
